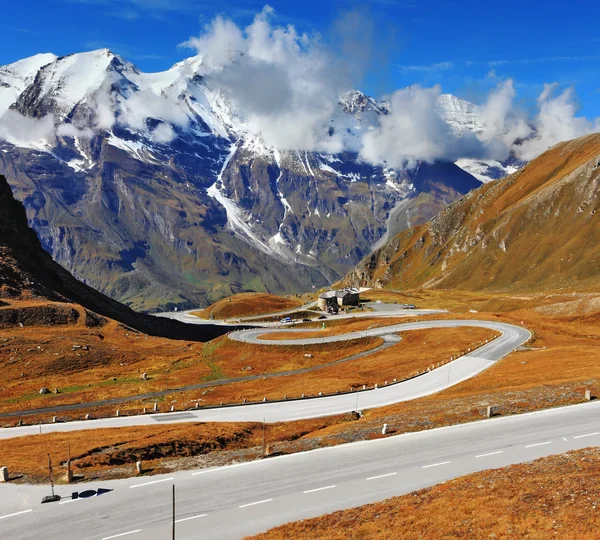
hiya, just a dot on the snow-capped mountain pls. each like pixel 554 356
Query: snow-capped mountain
pixel 154 189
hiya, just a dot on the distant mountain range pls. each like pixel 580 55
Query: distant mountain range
pixel 535 231
pixel 151 188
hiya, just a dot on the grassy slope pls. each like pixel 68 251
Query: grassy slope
pixel 554 497
pixel 536 230
pixel 246 305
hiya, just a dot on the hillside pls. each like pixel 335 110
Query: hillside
pixel 27 272
pixel 536 230
pixel 246 305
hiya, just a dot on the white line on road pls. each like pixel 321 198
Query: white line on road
pixel 382 476
pixel 70 501
pixel 150 483
pixel 587 435
pixel 490 454
pixel 228 467
pixel 17 513
pixel 564 439
pixel 436 464
pixel 190 518
pixel 319 489
pixel 538 444
pixel 254 503
pixel 122 534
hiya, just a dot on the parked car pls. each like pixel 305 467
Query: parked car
pixel 286 319
pixel 305 320
pixel 322 317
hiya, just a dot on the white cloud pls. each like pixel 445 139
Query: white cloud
pixel 69 130
pixel 147 104
pixel 555 122
pixel 284 85
pixel 163 133
pixel 414 130
pixel 24 130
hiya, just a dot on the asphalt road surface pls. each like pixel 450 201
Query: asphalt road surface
pixel 438 379
pixel 234 501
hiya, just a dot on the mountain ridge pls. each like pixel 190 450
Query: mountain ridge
pixel 152 189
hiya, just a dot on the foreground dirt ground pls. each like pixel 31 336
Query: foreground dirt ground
pixel 554 497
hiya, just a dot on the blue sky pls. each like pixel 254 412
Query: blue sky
pixel 465 46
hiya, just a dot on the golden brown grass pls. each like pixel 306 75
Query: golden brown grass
pixel 116 358
pixel 226 358
pixel 112 453
pixel 554 497
pixel 534 231
pixel 563 360
pixel 246 305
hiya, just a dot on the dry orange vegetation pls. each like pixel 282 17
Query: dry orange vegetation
pixel 125 355
pixel 534 231
pixel 554 497
pixel 333 327
pixel 246 305
pixel 112 453
pixel 564 360
pixel 94 363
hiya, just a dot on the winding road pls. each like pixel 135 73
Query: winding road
pixel 429 383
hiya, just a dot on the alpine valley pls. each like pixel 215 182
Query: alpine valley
pixel 181 208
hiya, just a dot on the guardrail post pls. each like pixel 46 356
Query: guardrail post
pixel 3 474
pixel 588 395
pixel 491 411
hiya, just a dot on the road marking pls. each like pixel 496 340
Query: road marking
pixel 490 454
pixel 587 435
pixel 227 467
pixel 436 464
pixel 17 513
pixel 382 476
pixel 564 438
pixel 70 501
pixel 254 503
pixel 538 444
pixel 319 489
pixel 150 483
pixel 189 518
pixel 122 534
